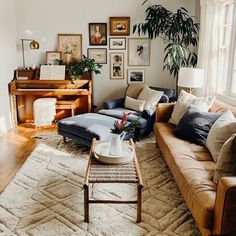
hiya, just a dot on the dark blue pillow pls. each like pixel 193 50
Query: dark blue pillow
pixel 195 125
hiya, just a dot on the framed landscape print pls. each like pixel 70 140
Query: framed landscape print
pixel 117 43
pixel 52 57
pixel 136 76
pixel 139 52
pixel 120 26
pixel 98 54
pixel 97 33
pixel 117 65
pixel 70 46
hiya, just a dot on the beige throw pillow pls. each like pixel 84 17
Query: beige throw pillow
pixel 186 100
pixel 134 104
pixel 151 97
pixel 220 131
pixel 226 164
pixel 134 90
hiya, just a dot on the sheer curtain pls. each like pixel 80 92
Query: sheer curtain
pixel 208 50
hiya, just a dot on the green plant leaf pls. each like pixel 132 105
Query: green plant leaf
pixel 178 31
pixel 84 67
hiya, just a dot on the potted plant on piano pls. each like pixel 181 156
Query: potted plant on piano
pixel 84 67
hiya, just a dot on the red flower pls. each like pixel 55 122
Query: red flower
pixel 119 127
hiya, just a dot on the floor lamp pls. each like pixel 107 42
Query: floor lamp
pixel 33 45
pixel 191 78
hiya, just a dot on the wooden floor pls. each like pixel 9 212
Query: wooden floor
pixel 15 147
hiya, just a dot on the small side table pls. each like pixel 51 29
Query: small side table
pixel 98 172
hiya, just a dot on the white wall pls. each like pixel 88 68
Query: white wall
pixel 7 59
pixel 44 19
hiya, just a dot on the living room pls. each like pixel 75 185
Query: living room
pixel 176 177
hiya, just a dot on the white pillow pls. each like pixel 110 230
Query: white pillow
pixel 220 132
pixel 186 100
pixel 150 96
pixel 134 104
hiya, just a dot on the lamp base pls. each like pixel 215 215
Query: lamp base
pixel 190 90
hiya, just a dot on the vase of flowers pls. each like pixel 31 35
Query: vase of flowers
pixel 120 126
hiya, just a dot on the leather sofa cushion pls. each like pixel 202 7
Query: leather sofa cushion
pixel 222 107
pixel 192 167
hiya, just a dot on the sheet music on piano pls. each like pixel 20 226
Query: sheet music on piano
pixel 52 72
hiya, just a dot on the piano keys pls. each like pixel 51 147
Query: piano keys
pixel 24 92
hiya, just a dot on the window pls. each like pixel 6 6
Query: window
pixel 227 53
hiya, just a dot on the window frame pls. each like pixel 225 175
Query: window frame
pixel 227 94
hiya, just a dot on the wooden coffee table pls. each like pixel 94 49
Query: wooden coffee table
pixel 98 172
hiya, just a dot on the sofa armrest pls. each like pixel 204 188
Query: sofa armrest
pixel 164 111
pixel 225 207
pixel 111 104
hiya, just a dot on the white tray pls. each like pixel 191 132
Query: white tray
pixel 101 153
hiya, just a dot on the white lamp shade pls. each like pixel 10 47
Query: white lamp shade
pixel 191 77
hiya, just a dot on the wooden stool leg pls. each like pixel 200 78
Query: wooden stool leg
pixel 72 111
pixel 64 139
pixel 139 203
pixel 86 203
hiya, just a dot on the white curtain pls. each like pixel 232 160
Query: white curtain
pixel 208 50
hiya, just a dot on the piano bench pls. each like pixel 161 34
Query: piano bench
pixel 67 105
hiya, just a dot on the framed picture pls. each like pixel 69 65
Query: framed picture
pixel 136 76
pixel 52 57
pixel 70 46
pixel 117 65
pixel 120 26
pixel 139 52
pixel 98 33
pixel 117 43
pixel 98 54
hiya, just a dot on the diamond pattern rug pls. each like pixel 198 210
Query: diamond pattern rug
pixel 45 198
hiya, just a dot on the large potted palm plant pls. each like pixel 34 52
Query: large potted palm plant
pixel 178 31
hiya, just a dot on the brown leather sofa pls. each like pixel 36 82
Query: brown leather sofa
pixel 212 206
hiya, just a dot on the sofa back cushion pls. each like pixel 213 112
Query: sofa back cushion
pixel 134 90
pixel 220 132
pixel 195 125
pixel 151 97
pixel 134 104
pixel 222 107
pixel 185 100
pixel 167 91
pixel 226 163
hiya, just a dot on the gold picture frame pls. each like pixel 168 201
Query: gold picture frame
pixel 120 26
pixel 70 46
pixel 52 57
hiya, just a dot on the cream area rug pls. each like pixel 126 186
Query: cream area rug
pixel 45 198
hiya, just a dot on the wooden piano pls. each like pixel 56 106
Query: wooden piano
pixel 72 98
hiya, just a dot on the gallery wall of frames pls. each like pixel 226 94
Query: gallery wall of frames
pixel 102 30
pixel 106 48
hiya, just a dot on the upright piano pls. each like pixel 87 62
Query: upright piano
pixel 72 98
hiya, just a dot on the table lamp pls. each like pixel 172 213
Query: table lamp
pixel 191 78
pixel 33 45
